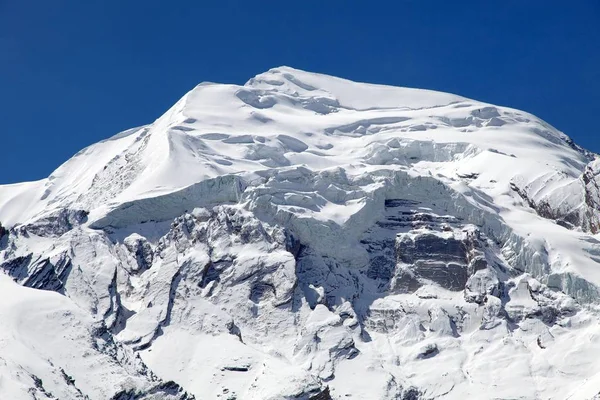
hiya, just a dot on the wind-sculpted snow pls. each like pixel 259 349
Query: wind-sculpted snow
pixel 307 237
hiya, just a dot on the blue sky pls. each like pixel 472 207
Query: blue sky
pixel 75 72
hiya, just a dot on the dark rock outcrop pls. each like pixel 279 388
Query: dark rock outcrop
pixel 166 390
pixel 57 223
pixel 430 256
pixel 324 395
pixel 141 250
pixel 42 274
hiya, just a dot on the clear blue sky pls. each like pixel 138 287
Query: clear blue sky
pixel 75 72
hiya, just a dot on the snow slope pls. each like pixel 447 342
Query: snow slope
pixel 305 236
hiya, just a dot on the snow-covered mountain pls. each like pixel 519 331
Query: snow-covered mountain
pixel 307 237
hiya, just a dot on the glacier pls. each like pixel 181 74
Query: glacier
pixel 308 237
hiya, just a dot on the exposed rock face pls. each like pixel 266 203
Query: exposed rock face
pixel 3 232
pixel 141 250
pixel 580 209
pixel 591 180
pixel 45 274
pixel 440 259
pixel 56 224
pixel 164 391
pixel 324 395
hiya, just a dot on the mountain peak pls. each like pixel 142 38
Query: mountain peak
pixel 279 239
pixel 281 118
pixel 349 94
